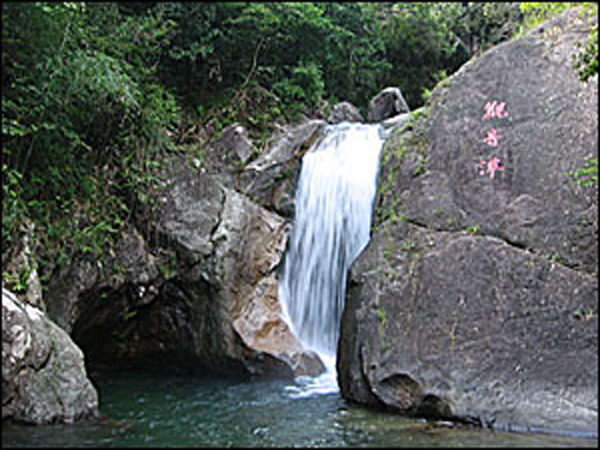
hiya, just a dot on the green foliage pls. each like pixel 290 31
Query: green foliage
pixel 13 207
pixel 83 116
pixel 381 320
pixel 303 88
pixel 584 314
pixel 538 12
pixel 481 25
pixel 427 41
pixel 473 229
pixel 585 62
pixel 298 51
pixel 419 44
pixel 17 282
pixel 95 95
pixel 586 175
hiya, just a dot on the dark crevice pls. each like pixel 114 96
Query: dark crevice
pixel 220 214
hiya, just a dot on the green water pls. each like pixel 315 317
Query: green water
pixel 149 410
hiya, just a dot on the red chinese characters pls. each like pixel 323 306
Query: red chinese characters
pixel 492 138
pixel 491 166
pixel 493 109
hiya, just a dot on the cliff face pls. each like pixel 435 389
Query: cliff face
pixel 191 286
pixel 477 297
pixel 196 288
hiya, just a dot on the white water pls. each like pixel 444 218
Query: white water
pixel 334 201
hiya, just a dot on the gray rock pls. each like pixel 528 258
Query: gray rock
pixel 220 310
pixel 477 298
pixel 76 289
pixel 480 329
pixel 227 154
pixel 396 121
pixel 388 103
pixel 344 112
pixel 68 288
pixel 189 211
pixel 271 179
pixel 221 252
pixel 43 372
pixel 20 268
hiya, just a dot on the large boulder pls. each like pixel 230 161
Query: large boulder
pixel 43 372
pixel 226 268
pixel 477 297
pixel 344 112
pixel 249 246
pixel 388 103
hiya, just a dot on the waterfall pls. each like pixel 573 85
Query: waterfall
pixel 334 201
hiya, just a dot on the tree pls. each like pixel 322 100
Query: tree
pixel 82 114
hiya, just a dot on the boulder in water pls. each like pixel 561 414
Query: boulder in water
pixel 477 298
pixel 43 373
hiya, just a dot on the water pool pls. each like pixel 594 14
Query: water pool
pixel 157 410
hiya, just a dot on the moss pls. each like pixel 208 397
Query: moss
pixel 419 114
pixel 444 84
pixel 449 221
pixel 407 139
pixel 436 100
pixel 381 319
pixel 130 315
pixel 285 175
pixel 409 245
pixel 473 229
pixel 388 251
pixel 387 194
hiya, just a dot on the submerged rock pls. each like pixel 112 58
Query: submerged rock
pixel 477 298
pixel 43 372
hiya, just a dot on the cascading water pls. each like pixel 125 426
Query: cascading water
pixel 334 201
